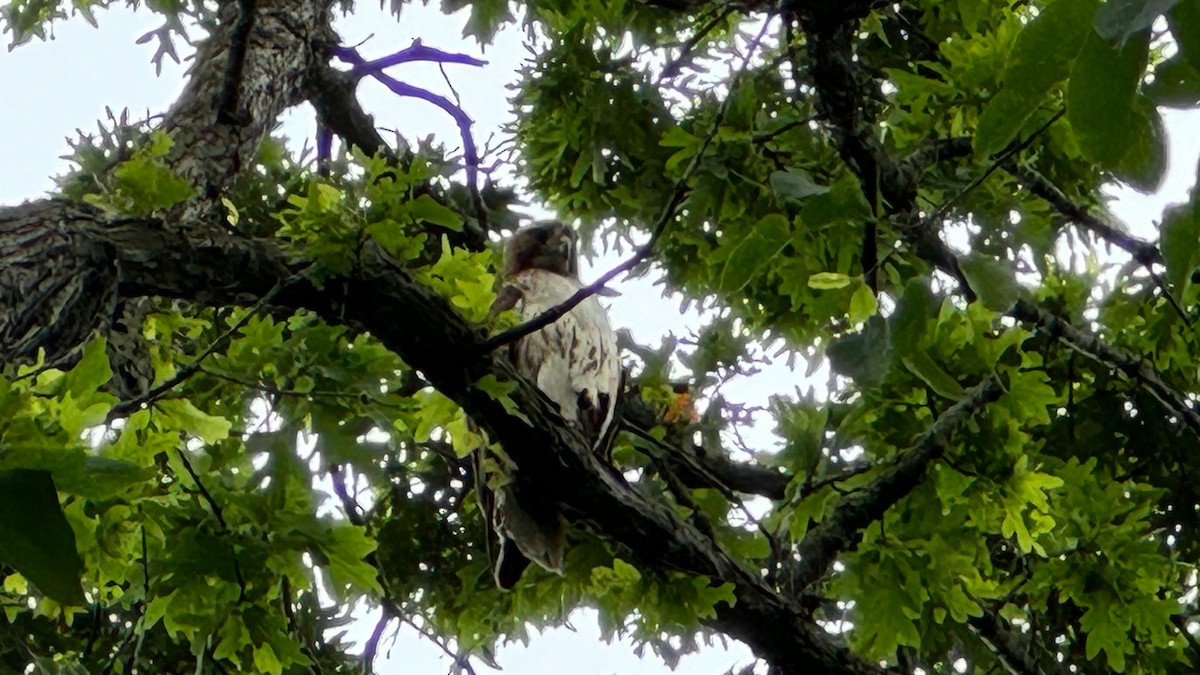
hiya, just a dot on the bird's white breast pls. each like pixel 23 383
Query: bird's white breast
pixel 575 357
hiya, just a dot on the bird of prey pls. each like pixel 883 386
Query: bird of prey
pixel 576 364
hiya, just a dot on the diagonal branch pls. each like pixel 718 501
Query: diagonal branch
pixel 216 269
pixel 841 531
pixel 220 516
pixel 1143 252
pixel 1133 367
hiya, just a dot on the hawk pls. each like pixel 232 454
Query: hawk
pixel 574 361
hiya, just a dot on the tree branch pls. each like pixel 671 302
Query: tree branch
pixel 1143 252
pixel 737 476
pixel 1133 367
pixel 842 99
pixel 841 531
pixel 553 457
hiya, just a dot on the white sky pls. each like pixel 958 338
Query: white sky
pixel 66 84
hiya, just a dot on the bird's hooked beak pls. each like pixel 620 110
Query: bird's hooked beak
pixel 567 246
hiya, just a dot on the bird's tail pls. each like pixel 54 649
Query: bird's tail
pixel 526 535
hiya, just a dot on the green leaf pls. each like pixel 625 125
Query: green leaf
pixel 1180 242
pixel 180 414
pixel 426 208
pixel 913 313
pixel 144 183
pixel 1101 94
pixel 795 184
pixel 992 281
pixel 1108 631
pixel 232 637
pixel 843 202
pixel 828 281
pixel 84 404
pixel 487 16
pixel 864 357
pixel 102 478
pixel 1119 20
pixel 35 537
pixel 923 366
pixel 265 660
pixel 972 13
pixel 392 237
pixel 863 304
pixel 961 605
pixel 501 392
pixel 1041 58
pixel 1184 20
pixel 346 550
pixel 1145 163
pixel 620 576
pixel 1176 83
pixel 754 251
pixel 91 372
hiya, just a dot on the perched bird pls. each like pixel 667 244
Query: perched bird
pixel 574 361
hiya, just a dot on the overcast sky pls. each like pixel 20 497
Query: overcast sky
pixel 66 83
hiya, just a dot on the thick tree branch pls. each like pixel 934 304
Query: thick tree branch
pixel 217 270
pixel 249 71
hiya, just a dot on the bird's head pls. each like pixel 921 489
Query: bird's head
pixel 547 245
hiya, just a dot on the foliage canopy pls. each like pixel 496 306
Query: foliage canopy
pixel 203 339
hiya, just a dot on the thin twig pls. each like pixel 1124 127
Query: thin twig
pixel 811 488
pixel 673 66
pixel 680 191
pixel 460 661
pixel 126 407
pixel 371 648
pixel 765 136
pixel 1008 153
pixel 220 516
